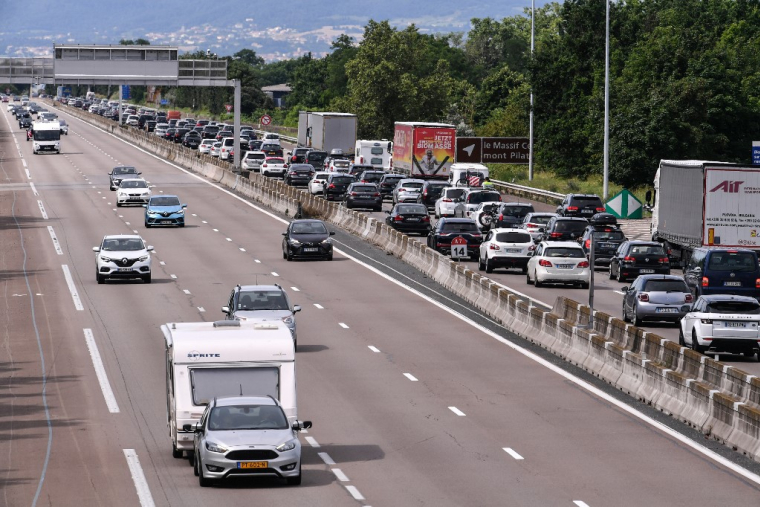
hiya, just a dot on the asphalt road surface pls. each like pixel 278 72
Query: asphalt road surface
pixel 415 398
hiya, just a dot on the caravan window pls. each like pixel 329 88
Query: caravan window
pixel 210 382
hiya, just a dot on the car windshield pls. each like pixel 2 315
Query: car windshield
pixel 164 201
pixel 574 253
pixel 742 307
pixel 588 201
pixel 459 227
pixel 569 226
pixel 343 181
pixel 732 261
pixel 391 180
pixel 123 245
pixel 262 300
pixel 247 417
pixel 666 286
pixel 647 250
pixel 513 237
pixel 478 197
pixel 133 184
pixel 124 170
pixel 309 228
pixel 611 235
pixel 275 161
pixel 364 188
pixel 411 208
pixel 516 211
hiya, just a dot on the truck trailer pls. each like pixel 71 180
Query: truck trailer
pixel 700 203
pixel 424 150
pixel 327 131
pixel 205 360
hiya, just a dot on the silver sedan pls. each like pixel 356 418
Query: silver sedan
pixel 655 298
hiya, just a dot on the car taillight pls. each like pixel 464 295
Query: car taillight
pixel 583 264
pixel 572 208
pixel 644 298
pixel 354 193
pixel 628 258
pixel 555 235
pixel 494 247
pixel 424 219
pixel 527 226
pixel 293 158
pixel 663 260
pixel 688 298
pixel 757 283
pixel 706 321
pixel 447 200
pixel 376 194
pixel 545 263
pixel 501 217
pixel 331 185
pixel 588 243
pixel 402 190
pixel 705 281
pixel 264 164
pixel 398 218
pixel 600 210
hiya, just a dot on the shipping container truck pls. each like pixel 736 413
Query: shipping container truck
pixel 424 150
pixel 327 131
pixel 700 203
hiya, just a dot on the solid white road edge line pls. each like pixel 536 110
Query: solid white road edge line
pixel 340 475
pixel 138 477
pixel 581 383
pixel 55 240
pixel 100 372
pixel 512 453
pixel 72 288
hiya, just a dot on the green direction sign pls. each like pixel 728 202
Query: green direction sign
pixel 624 205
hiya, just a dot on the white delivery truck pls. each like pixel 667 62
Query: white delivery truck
pixel 327 131
pixel 700 203
pixel 225 358
pixel 375 153
pixel 46 136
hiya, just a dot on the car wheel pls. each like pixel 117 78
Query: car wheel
pixel 681 340
pixel 694 342
pixel 527 277
pixel 182 224
pixel 584 285
pixel 330 257
pixel 489 266
pixel 536 281
pixel 635 320
pixel 191 459
pixel 118 204
pixel 176 453
pixel 620 277
pixel 288 256
pixel 146 278
pixel 100 278
pixel 284 255
pixel 625 313
pixel 481 265
pixel 147 225
pixel 295 481
pixel 204 483
pixel 612 277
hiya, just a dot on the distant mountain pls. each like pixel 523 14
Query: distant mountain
pixel 274 31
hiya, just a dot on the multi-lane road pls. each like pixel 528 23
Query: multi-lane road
pixel 416 399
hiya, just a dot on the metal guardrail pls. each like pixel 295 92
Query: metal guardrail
pixel 535 194
pixel 285 138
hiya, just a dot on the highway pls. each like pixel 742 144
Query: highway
pixel 415 398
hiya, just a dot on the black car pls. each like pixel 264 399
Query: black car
pixel 607 239
pixel 371 176
pixel 169 135
pixel 142 119
pixel 210 132
pixel 255 145
pixel 299 174
pixel 298 155
pixel 388 183
pixel 580 205
pixel 225 132
pixel 359 169
pixel 564 229
pixel 408 217
pixel 634 258
pixel 150 125
pixel 308 239
pixel 272 150
pixel 336 185
pixel 24 120
pixel 117 174
pixel 512 214
pixel 316 158
pixel 447 229
pixel 431 192
pixel 192 140
pixel 363 195
pixel 179 134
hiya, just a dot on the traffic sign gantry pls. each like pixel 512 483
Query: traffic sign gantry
pixel 458 247
pixel 266 119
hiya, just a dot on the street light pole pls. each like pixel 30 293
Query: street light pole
pixel 532 43
pixel 607 102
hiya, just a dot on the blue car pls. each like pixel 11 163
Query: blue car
pixel 164 210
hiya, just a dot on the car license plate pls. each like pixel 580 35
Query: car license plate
pixel 253 464
pixel 732 284
pixel 646 271
pixel 412 219
pixel 513 250
pixel 735 324
pixel 166 221
pixel 587 211
pixel 311 249
pixel 564 266
pixel 605 245
pixel 125 270
pixel 666 310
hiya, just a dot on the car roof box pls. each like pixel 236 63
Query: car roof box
pixel 603 219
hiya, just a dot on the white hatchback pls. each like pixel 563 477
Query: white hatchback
pixel 317 183
pixel 506 248
pixel 252 160
pixel 274 166
pixel 561 262
pixel 216 148
pixel 447 203
pixel 205 146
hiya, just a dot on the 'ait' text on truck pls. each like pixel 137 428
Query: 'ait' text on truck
pixel 424 150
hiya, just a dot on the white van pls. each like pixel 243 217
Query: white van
pixel 205 360
pixel 46 136
pixel 375 153
pixel 464 175
pixel 228 143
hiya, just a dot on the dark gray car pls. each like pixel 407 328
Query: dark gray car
pixel 262 303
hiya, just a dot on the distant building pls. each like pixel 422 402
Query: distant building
pixel 277 93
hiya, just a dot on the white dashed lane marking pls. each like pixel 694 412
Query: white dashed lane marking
pixel 410 377
pixel 186 291
pixel 512 453
pixel 457 411
pixel 373 348
pixel 343 325
pixel 173 276
pixel 326 458
pixel 319 307
pixel 355 493
pixel 340 475
pixel 296 289
pixel 312 441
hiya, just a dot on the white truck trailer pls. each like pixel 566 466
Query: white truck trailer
pixel 701 203
pixel 327 131
pixel 225 358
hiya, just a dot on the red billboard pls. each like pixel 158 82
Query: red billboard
pixel 426 151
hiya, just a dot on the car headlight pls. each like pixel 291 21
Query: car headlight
pixel 294 241
pixel 180 212
pixel 288 320
pixel 144 258
pixel 213 447
pixel 287 446
pixel 327 241
pixel 104 258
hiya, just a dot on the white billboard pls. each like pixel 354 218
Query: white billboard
pixel 732 207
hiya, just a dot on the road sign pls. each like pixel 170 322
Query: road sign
pixel 125 92
pixel 624 205
pixel 229 107
pixel 266 119
pixel 458 248
pixel 755 152
pixel 469 149
pixel 164 102
pixel 493 150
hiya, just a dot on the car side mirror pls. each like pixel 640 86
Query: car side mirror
pixel 139 173
pixel 144 205
pixel 686 308
pixel 187 427
pixel 301 425
pixel 184 206
pixel 624 289
pixel 284 233
pixel 96 249
pixel 150 248
pixel 296 308
pixel 388 212
pixel 541 230
pixel 332 233
pixel 226 309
